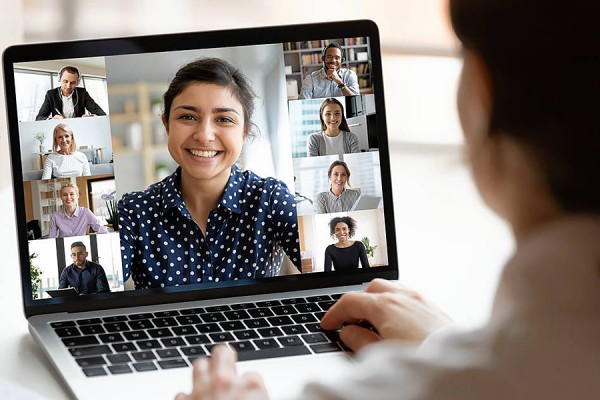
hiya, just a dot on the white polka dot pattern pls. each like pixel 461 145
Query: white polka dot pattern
pixel 247 233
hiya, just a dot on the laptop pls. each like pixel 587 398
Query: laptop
pixel 127 337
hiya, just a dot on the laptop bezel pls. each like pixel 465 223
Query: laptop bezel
pixel 185 41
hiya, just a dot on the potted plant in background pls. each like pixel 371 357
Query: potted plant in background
pixel 111 205
pixel 40 137
pixel 36 281
pixel 369 248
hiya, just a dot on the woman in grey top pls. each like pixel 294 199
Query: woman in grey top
pixel 335 136
pixel 339 197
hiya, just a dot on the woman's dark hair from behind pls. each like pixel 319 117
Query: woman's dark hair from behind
pixel 343 125
pixel 544 70
pixel 213 71
pixel 346 220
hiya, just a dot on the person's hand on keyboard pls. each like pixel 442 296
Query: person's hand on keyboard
pixel 385 310
pixel 217 379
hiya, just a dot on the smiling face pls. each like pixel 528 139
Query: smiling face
pixel 206 131
pixel 64 141
pixel 332 116
pixel 69 197
pixel 338 179
pixel 68 82
pixel 333 58
pixel 342 232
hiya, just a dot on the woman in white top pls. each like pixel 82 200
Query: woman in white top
pixel 528 104
pixel 335 136
pixel 65 162
pixel 340 197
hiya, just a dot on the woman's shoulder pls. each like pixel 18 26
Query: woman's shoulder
pixel 80 156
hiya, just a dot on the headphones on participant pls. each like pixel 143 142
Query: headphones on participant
pixel 332 45
pixel 71 69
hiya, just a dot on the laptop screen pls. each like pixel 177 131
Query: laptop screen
pixel 200 165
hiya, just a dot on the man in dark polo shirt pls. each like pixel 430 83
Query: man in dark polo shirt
pixel 86 277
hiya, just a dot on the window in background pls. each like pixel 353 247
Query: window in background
pixel 31 88
pixel 96 87
pixel 422 91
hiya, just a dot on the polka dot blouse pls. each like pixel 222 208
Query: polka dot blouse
pixel 247 233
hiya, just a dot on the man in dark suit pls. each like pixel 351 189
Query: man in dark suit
pixel 68 101
pixel 86 277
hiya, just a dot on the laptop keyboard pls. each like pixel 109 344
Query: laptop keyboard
pixel 173 339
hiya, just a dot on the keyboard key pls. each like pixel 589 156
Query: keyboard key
pixel 213 309
pixel 170 313
pixel 261 312
pixel 268 303
pixel 67 332
pixel 174 363
pixel 270 332
pixel 144 366
pixel 294 329
pixel 337 296
pixel 284 310
pixel 256 323
pixel 124 347
pixel 144 356
pixel 97 371
pixel 80 341
pixel 314 338
pixel 90 351
pixel 89 321
pixel 168 353
pixel 316 327
pixel 245 335
pixel 243 346
pixel 189 311
pixel 116 326
pixel 118 358
pixel 119 369
pixel 92 329
pixel 325 347
pixel 112 338
pixel 140 324
pixel 62 324
pixel 160 333
pixel 295 300
pixel 148 344
pixel 273 353
pixel 164 322
pixel 208 328
pixel 90 361
pixel 173 342
pixel 188 319
pixel 232 325
pixel 326 305
pixel 243 306
pixel 116 318
pixel 319 315
pixel 135 317
pixel 236 315
pixel 281 320
pixel 221 337
pixel 304 318
pixel 194 351
pixel 333 336
pixel 197 339
pixel 184 330
pixel 308 308
pixel 136 335
pixel 316 299
pixel 213 317
pixel 266 343
pixel 290 341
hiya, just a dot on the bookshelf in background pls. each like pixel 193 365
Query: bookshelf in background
pixel 303 58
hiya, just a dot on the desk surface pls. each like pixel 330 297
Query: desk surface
pixel 436 207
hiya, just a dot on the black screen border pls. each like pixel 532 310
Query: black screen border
pixel 187 41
